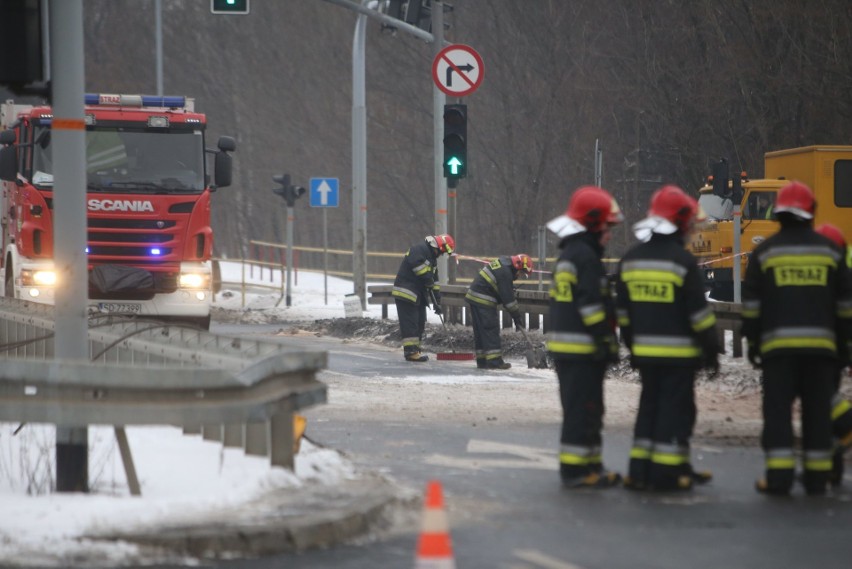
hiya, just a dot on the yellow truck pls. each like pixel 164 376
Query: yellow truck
pixel 827 170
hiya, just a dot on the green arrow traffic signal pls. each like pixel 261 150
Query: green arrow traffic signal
pixel 455 141
pixel 455 165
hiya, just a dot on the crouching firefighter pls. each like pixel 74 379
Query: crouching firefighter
pixel 582 341
pixel 415 287
pixel 796 296
pixel 492 287
pixel 670 330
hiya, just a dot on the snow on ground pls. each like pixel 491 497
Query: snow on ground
pixel 184 476
pixel 181 476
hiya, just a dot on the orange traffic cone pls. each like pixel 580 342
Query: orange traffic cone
pixel 434 550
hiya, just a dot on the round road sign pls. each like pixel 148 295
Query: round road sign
pixel 457 70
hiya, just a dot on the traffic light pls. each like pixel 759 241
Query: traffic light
pixel 229 6
pixel 288 191
pixel 455 141
pixel 720 178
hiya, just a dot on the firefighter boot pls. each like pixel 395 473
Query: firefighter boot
pixel 497 363
pixel 599 479
pixel 413 354
pixel 700 476
pixel 481 363
pixel 763 487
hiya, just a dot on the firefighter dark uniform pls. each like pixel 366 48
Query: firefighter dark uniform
pixel 841 409
pixel 670 330
pixel 796 295
pixel 415 287
pixel 491 287
pixel 581 339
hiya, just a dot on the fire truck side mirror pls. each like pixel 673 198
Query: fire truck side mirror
pixel 222 165
pixel 8 164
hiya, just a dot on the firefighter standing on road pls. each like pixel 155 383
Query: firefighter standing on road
pixel 796 295
pixel 582 339
pixel 671 332
pixel 415 287
pixel 841 409
pixel 491 287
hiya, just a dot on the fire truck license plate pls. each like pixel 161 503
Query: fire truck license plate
pixel 119 307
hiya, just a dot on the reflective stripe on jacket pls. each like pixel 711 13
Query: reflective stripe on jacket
pixel 797 295
pixel 582 315
pixel 662 311
pixel 417 275
pixel 493 285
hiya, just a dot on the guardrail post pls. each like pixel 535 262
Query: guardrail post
pixel 255 439
pixel 281 439
pixel 211 433
pixel 233 436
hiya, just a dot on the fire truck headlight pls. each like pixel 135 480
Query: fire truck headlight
pixel 194 280
pixel 38 278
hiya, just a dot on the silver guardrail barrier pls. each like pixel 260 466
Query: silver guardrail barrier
pixel 534 304
pixel 141 372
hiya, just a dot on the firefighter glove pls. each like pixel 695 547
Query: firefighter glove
pixel 437 308
pixel 519 323
pixel 607 348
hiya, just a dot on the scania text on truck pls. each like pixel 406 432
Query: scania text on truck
pixel 827 170
pixel 148 187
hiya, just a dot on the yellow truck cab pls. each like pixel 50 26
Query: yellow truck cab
pixel 827 170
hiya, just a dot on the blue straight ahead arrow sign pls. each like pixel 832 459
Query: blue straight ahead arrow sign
pixel 324 192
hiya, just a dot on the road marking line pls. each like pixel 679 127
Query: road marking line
pixel 542 560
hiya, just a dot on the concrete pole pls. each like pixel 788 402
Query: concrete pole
pixel 359 160
pixel 158 39
pixel 69 227
pixel 291 219
pixel 438 101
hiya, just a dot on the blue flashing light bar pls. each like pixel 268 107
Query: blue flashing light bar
pixel 155 251
pixel 135 100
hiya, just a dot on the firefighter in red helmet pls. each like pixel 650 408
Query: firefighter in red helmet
pixel 491 288
pixel 416 287
pixel 670 330
pixel 797 294
pixel 841 409
pixel 582 341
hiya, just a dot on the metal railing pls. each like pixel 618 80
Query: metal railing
pixel 534 305
pixel 143 372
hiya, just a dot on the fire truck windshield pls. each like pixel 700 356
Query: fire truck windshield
pixel 134 160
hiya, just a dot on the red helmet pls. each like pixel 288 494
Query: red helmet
pixel 443 243
pixel 672 204
pixel 797 199
pixel 522 263
pixel 594 208
pixel 834 233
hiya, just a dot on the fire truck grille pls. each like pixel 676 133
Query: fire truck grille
pixel 163 283
pixel 128 252
pixel 155 224
pixel 130 237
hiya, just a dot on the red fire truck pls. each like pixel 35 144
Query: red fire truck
pixel 148 192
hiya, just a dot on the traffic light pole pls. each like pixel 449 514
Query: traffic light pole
pixel 359 161
pixel 291 218
pixel 438 101
pixel 69 170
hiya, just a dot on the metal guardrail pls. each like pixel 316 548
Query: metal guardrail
pixel 535 304
pixel 237 391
